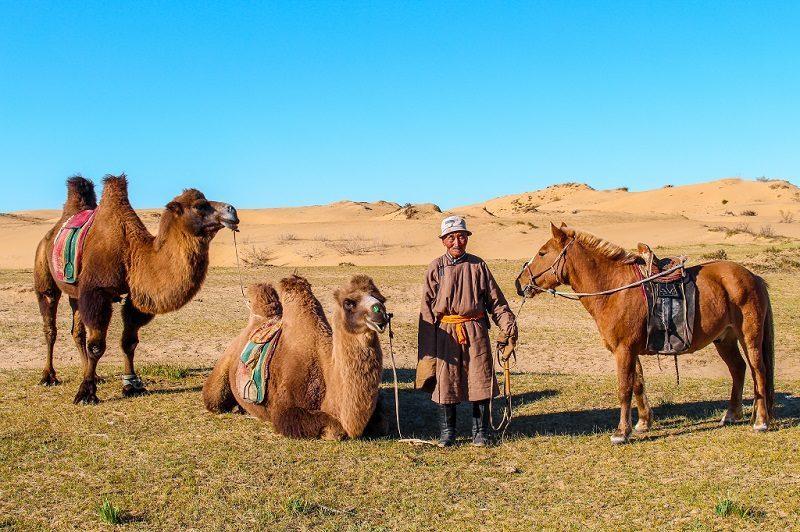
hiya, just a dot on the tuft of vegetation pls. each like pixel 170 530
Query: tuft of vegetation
pixel 748 212
pixel 728 507
pixel 164 371
pixel 348 264
pixel 109 513
pixel 257 257
pixel 724 202
pixel 766 231
pixel 287 237
pixel 786 217
pixel 719 254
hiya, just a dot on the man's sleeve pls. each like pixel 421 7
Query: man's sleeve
pixel 498 306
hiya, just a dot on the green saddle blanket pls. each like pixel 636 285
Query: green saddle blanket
pixel 252 372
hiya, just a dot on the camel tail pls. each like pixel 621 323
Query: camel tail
pixel 768 352
pixel 80 194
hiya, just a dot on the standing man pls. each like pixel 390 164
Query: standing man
pixel 455 354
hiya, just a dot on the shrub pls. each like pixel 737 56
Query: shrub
pixel 109 513
pixel 748 213
pixel 719 254
pixel 766 231
pixel 786 217
pixel 257 257
pixel 724 201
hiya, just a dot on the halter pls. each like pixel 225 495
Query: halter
pixel 556 268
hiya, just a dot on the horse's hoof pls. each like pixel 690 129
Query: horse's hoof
pixel 49 379
pixel 619 439
pixel 729 418
pixel 760 427
pixel 133 391
pixel 642 426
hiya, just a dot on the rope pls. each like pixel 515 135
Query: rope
pixel 578 295
pixel 413 441
pixel 508 411
pixel 239 270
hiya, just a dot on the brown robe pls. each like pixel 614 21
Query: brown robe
pixel 453 372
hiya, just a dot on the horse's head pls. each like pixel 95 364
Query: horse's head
pixel 545 270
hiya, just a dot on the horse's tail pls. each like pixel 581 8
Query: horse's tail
pixel 768 352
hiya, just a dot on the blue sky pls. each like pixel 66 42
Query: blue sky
pixel 290 103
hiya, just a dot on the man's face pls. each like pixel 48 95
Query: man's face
pixel 456 243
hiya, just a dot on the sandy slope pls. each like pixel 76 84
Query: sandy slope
pixel 509 227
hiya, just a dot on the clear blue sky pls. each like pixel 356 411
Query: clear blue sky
pixel 287 103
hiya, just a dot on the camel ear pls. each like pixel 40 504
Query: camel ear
pixel 175 207
pixel 336 294
pixel 558 233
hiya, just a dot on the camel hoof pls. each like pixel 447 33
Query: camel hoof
pixel 133 391
pixel 87 394
pixel 642 426
pixel 49 379
pixel 618 439
pixel 760 427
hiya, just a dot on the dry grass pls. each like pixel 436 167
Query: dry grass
pixel 162 462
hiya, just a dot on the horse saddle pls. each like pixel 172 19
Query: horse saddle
pixel 252 371
pixel 671 303
pixel 68 246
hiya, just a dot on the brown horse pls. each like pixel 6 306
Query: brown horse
pixel 732 306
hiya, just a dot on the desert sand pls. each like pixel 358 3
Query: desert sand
pixel 510 227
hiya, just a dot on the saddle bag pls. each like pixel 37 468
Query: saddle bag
pixel 671 308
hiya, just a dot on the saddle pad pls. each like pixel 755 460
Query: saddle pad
pixel 670 315
pixel 252 372
pixel 68 246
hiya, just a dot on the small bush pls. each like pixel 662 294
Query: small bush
pixel 109 513
pixel 748 213
pixel 763 179
pixel 287 237
pixel 786 217
pixel 622 189
pixel 766 231
pixel 346 264
pixel 299 506
pixel 719 254
pixel 724 202
pixel 257 257
pixel 727 507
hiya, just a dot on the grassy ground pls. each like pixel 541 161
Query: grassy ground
pixel 162 462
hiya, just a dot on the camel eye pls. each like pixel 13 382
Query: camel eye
pixel 348 305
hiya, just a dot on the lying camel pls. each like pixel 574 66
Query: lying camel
pixel 120 257
pixel 322 383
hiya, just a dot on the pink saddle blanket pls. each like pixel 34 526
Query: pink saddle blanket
pixel 68 246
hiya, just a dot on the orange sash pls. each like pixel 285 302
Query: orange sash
pixel 459 321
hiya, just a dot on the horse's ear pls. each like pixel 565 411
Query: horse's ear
pixel 643 248
pixel 563 225
pixel 558 233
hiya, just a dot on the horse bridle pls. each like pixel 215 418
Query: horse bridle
pixel 556 268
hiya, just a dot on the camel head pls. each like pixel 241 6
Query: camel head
pixel 197 216
pixel 360 306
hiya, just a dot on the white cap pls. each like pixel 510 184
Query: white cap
pixel 451 224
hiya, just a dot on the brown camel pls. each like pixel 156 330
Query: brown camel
pixel 158 274
pixel 733 308
pixel 323 383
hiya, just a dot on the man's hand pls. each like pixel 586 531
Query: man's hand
pixel 508 346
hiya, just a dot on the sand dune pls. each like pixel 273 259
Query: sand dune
pixel 508 227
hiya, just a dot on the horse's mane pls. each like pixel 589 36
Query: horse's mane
pixel 600 245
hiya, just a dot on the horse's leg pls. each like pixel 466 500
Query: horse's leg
pixel 132 320
pixel 751 341
pixel 643 405
pixel 48 308
pixel 94 307
pixel 626 376
pixel 728 350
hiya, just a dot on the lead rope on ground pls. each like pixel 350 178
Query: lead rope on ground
pixel 508 411
pixel 413 441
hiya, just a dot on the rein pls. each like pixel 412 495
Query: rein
pixel 239 270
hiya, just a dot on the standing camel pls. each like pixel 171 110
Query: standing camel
pixel 733 308
pixel 322 383
pixel 120 257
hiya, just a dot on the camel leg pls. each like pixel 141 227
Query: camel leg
pixel 296 422
pixel 642 404
pixel 94 307
pixel 78 331
pixel 626 376
pixel 752 348
pixel 132 320
pixel 48 307
pixel 728 350
pixel 217 394
pixel 378 424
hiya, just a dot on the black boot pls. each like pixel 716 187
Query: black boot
pixel 447 425
pixel 481 429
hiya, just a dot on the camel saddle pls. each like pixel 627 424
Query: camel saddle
pixel 671 303
pixel 252 372
pixel 68 246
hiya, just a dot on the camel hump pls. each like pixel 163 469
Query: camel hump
pixel 295 283
pixel 264 300
pixel 80 194
pixel 115 187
